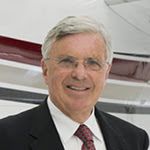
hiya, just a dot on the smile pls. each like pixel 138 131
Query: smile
pixel 77 88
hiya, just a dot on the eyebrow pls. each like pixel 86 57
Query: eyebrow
pixel 63 56
pixel 66 56
pixel 75 58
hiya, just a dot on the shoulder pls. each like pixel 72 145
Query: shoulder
pixel 23 118
pixel 14 129
pixel 117 123
pixel 123 129
pixel 21 123
pixel 12 123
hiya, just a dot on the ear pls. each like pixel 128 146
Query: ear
pixel 107 72
pixel 44 69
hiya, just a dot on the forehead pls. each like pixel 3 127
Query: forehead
pixel 80 45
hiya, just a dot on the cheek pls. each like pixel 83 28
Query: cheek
pixel 99 82
pixel 56 78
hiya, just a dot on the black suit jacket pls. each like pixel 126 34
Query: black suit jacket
pixel 35 130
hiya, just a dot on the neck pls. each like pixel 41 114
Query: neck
pixel 79 116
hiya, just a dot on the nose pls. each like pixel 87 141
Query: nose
pixel 79 72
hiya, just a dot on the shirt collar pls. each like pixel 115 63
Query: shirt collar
pixel 66 127
pixel 92 124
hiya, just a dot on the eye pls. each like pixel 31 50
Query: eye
pixel 91 61
pixel 66 60
pixel 94 64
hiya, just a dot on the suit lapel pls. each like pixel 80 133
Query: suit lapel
pixel 43 134
pixel 113 139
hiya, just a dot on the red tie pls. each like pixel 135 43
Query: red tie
pixel 85 134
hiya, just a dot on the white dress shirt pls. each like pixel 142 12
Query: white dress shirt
pixel 66 128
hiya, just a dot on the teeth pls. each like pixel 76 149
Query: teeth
pixel 77 88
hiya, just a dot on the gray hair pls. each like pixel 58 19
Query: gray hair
pixel 74 25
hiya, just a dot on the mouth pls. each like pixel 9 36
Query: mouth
pixel 76 88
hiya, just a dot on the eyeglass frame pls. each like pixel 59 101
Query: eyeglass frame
pixel 75 61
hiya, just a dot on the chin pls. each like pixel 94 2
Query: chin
pixel 81 104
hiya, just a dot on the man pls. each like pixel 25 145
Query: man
pixel 76 62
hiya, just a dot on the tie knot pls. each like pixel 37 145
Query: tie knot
pixel 84 133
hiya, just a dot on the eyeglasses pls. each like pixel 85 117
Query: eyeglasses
pixel 70 62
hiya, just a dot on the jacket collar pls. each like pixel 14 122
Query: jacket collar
pixel 43 133
pixel 112 137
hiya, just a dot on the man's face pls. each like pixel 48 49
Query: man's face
pixel 74 87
